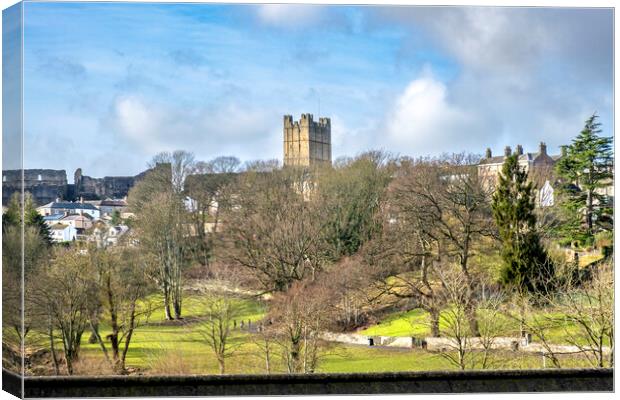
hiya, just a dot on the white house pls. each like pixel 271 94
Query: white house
pixel 58 207
pixel 63 233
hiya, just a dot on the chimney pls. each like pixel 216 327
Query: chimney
pixel 519 150
pixel 563 150
pixel 507 151
pixel 543 148
pixel 488 153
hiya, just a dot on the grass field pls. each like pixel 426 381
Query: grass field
pixel 416 323
pixel 177 347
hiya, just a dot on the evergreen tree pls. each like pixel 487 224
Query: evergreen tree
pixel 526 265
pixel 12 216
pixel 584 171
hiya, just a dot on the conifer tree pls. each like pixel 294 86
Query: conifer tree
pixel 526 265
pixel 584 171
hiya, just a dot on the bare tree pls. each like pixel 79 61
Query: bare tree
pixel 221 308
pixel 588 317
pixel 299 316
pixel 208 195
pixel 64 292
pixel 437 214
pixel 266 342
pixel 455 320
pixel 162 225
pixel 271 228
pixel 219 165
pixel 121 286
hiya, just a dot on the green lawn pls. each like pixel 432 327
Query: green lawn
pixel 416 323
pixel 177 347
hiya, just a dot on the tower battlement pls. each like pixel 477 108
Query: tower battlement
pixel 307 142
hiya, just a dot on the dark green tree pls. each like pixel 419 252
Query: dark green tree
pixel 12 216
pixel 526 264
pixel 351 193
pixel 585 172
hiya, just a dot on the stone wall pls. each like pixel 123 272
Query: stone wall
pixel 45 185
pixel 485 381
pixel 113 187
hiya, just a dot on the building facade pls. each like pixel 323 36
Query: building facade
pixel 307 142
pixel 539 166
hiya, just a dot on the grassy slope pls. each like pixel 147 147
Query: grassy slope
pixel 415 323
pixel 172 347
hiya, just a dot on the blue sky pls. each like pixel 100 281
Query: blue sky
pixel 106 86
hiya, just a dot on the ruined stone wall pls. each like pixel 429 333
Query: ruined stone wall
pixel 113 187
pixel 45 185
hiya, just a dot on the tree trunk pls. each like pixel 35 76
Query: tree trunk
pixel 473 321
pixel 53 349
pixel 167 303
pixel 434 322
pixel 589 212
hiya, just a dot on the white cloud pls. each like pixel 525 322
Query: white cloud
pixel 423 121
pixel 136 121
pixel 231 128
pixel 290 15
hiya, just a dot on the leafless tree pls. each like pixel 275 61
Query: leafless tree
pixel 120 280
pixel 299 316
pixel 221 309
pixel 162 225
pixel 266 342
pixel 64 292
pixel 271 228
pixel 219 165
pixel 455 320
pixel 208 195
pixel 437 214
pixel 588 316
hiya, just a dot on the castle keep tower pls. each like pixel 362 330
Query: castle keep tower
pixel 307 142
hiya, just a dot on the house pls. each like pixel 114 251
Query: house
pixel 539 166
pixel 63 233
pixel 67 208
pixel 109 206
pixel 80 222
pixel 53 219
pixel 106 236
pixel 114 234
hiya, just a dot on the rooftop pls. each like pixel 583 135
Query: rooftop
pixel 73 206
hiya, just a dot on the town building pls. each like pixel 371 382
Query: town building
pixel 63 233
pixel 68 208
pixel 109 206
pixel 539 166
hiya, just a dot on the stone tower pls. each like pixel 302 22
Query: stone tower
pixel 307 142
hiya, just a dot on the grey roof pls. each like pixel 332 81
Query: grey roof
pixel 52 217
pixel 113 203
pixel 59 227
pixel 522 157
pixel 73 206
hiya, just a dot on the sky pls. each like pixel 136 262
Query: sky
pixel 107 86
